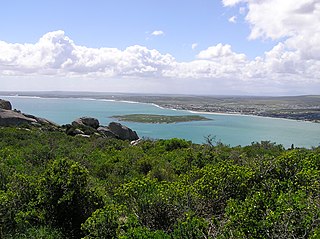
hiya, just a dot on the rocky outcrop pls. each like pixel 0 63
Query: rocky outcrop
pixel 6 105
pixel 9 117
pixel 86 121
pixel 84 126
pixel 41 121
pixel 105 131
pixel 13 118
pixel 91 126
pixel 122 132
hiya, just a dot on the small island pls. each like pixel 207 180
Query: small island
pixel 159 119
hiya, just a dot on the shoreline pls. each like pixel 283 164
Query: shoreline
pixel 239 114
pixel 156 105
pixel 84 98
pixel 248 115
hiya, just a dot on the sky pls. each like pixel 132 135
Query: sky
pixel 216 47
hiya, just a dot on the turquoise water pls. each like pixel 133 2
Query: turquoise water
pixel 229 129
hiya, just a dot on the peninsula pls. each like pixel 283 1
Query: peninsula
pixel 159 119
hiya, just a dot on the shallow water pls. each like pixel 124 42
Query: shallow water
pixel 229 129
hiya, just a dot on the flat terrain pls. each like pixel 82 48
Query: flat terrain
pixel 159 119
pixel 305 107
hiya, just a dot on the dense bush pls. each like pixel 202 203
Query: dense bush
pixel 56 186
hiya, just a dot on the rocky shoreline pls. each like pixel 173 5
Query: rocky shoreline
pixel 81 127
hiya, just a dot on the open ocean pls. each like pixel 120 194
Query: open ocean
pixel 229 129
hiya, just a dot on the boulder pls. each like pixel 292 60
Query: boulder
pixel 91 126
pixel 41 121
pixel 86 121
pixel 122 132
pixel 135 142
pixel 6 105
pixel 105 131
pixel 78 131
pixel 73 131
pixel 83 135
pixel 15 117
pixel 12 118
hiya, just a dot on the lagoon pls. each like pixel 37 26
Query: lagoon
pixel 232 130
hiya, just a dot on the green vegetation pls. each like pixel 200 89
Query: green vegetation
pixel 56 186
pixel 159 119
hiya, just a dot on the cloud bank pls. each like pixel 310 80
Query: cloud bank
pixel 290 67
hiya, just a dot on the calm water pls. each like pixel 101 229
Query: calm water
pixel 229 129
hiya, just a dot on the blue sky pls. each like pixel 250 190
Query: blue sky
pixel 124 23
pixel 191 38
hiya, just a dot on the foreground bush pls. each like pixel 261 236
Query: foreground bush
pixel 57 186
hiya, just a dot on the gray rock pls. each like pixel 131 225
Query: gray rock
pixel 90 126
pixel 15 117
pixel 105 131
pixel 12 118
pixel 135 142
pixel 41 121
pixel 122 132
pixel 78 131
pixel 83 135
pixel 6 105
pixel 87 121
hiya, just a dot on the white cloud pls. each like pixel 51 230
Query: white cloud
pixel 296 23
pixel 231 2
pixel 291 66
pixel 276 19
pixel 56 54
pixel 194 46
pixel 233 19
pixel 221 52
pixel 157 33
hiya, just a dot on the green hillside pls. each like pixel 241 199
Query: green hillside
pixel 56 186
